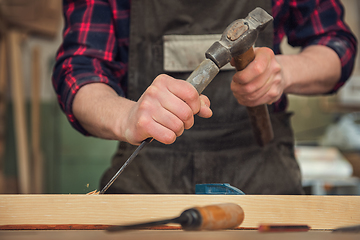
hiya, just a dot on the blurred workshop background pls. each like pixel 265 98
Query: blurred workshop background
pixel 41 153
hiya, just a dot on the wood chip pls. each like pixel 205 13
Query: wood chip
pixel 95 192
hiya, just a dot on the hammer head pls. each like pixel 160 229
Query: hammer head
pixel 238 37
pixel 259 18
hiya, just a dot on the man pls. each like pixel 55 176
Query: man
pixel 110 81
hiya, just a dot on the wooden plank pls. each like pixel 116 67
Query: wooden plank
pixel 55 227
pixel 319 212
pixel 37 159
pixel 17 86
pixel 173 235
pixel 3 88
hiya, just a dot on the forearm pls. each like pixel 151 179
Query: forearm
pixel 316 70
pixel 101 111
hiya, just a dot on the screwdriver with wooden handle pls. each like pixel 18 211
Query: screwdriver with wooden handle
pixel 211 217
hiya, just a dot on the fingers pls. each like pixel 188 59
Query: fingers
pixel 157 122
pixel 178 98
pixel 260 82
pixel 166 109
pixel 205 111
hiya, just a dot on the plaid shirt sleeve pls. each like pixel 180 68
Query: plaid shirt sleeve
pixel 96 38
pixel 92 51
pixel 316 22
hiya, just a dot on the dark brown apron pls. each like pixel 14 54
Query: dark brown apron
pixel 221 149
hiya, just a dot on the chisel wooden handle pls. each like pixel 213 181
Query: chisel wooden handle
pixel 211 217
pixel 259 115
pixel 219 216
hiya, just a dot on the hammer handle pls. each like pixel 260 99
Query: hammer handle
pixel 259 115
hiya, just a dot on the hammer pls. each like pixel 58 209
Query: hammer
pixel 237 42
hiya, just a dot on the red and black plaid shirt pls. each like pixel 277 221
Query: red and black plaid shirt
pixel 96 41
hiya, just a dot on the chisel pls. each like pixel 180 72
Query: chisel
pixel 211 217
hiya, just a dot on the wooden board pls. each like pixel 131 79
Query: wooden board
pixel 37 159
pixel 3 96
pixel 319 212
pixel 18 97
pixel 173 235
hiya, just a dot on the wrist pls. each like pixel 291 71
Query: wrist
pixel 97 107
pixel 284 61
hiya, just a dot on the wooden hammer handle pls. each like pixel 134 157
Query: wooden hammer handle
pixel 259 115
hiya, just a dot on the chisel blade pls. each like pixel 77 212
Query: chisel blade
pixel 133 155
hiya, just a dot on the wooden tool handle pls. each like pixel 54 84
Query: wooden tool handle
pixel 259 115
pixel 221 216
pixel 242 60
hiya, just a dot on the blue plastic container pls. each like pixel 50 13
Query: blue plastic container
pixel 217 189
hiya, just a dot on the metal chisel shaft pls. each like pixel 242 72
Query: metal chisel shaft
pixel 133 155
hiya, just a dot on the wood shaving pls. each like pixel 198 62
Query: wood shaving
pixel 95 192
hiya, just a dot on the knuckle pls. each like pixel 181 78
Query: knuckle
pixel 160 78
pixel 277 93
pixel 191 95
pixel 143 122
pixel 145 105
pixel 238 78
pixel 276 81
pixel 274 93
pixel 187 115
pixel 152 90
pixel 277 67
pixel 249 88
pixel 251 97
pixel 188 123
pixel 259 67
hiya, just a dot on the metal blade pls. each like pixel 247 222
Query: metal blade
pixel 133 155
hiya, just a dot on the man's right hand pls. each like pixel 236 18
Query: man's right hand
pixel 163 111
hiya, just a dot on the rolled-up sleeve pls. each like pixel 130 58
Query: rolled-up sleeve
pixel 92 51
pixel 320 22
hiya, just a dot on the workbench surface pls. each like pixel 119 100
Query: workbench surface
pixel 88 215
pixel 173 235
